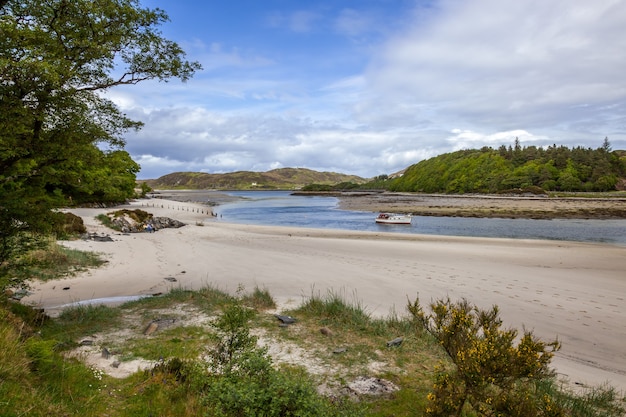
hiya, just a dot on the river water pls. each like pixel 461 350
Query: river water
pixel 280 208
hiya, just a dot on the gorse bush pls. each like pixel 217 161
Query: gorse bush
pixel 491 374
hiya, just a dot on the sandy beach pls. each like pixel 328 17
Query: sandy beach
pixel 575 292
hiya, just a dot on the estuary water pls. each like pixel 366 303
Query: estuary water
pixel 280 208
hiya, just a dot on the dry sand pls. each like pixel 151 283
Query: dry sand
pixel 573 291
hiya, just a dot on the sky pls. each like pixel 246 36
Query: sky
pixel 370 87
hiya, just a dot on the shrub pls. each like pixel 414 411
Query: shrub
pixel 242 381
pixel 492 375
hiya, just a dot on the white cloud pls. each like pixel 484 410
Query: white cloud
pixel 507 64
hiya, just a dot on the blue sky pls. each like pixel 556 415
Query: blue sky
pixel 370 87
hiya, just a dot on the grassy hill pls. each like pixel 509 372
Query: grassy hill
pixel 282 178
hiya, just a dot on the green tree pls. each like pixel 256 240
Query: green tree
pixel 60 139
pixel 491 375
pixel 569 178
pixel 606 145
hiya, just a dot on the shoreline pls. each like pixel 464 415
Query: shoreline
pixel 570 290
pixel 444 205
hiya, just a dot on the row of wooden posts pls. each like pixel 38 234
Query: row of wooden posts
pixel 179 208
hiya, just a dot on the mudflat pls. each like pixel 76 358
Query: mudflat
pixel 507 206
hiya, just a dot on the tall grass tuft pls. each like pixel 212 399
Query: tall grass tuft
pixel 14 363
pixel 602 400
pixel 51 261
pixel 333 309
pixel 392 324
pixel 208 298
pixel 106 221
pixel 79 320
pixel 259 299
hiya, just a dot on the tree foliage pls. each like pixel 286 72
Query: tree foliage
pixel 61 140
pixel 488 170
pixel 494 371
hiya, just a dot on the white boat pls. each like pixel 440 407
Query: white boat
pixel 387 218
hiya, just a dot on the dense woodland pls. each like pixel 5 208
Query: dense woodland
pixel 506 169
pixel 556 168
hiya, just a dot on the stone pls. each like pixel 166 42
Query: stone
pixel 98 238
pixel 326 331
pixel 371 386
pixel 395 342
pixel 285 319
pixel 152 327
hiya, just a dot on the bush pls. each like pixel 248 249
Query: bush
pixel 242 381
pixel 492 376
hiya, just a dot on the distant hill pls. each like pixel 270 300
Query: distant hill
pixel 282 178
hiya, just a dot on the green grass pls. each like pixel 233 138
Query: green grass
pixel 208 299
pixel 108 222
pixel 52 261
pixel 80 322
pixel 589 194
pixel 186 343
pixel 260 299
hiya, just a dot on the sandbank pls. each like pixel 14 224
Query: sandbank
pixel 575 292
pixel 486 205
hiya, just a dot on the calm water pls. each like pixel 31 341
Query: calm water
pixel 279 208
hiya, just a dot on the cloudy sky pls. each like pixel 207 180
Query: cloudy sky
pixel 369 87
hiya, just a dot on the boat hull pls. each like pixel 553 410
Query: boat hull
pixel 384 218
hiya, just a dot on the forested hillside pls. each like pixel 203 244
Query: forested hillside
pixel 489 170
